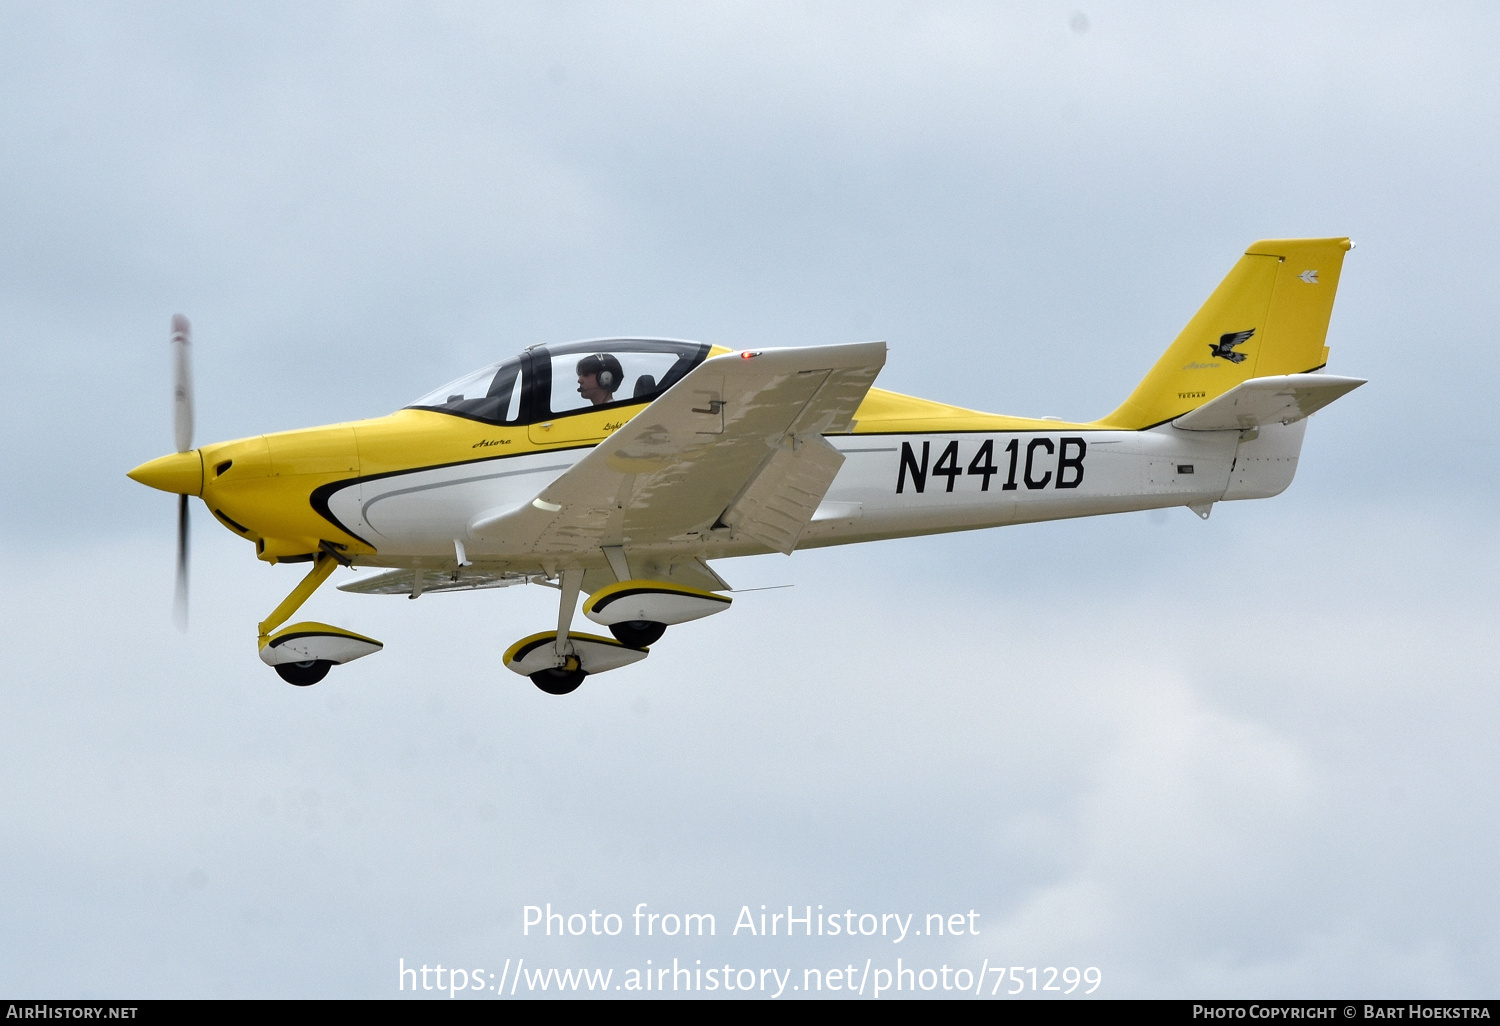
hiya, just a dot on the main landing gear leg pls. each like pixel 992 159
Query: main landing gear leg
pixel 568 673
pixel 558 661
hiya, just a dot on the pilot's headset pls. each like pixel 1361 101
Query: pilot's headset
pixel 609 374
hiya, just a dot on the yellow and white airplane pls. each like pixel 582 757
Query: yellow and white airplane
pixel 620 468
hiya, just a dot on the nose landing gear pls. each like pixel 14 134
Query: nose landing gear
pixel 303 653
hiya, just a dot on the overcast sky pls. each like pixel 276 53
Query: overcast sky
pixel 1253 756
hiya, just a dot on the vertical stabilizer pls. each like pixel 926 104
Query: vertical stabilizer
pixel 1268 316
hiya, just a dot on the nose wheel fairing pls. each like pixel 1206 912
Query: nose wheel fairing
pixel 316 642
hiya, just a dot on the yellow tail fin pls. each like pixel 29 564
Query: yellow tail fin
pixel 1268 316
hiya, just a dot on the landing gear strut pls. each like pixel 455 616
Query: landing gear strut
pixel 303 653
pixel 565 677
pixel 558 661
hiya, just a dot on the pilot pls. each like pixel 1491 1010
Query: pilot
pixel 598 378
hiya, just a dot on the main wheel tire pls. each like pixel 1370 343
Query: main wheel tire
pixel 556 681
pixel 637 633
pixel 304 674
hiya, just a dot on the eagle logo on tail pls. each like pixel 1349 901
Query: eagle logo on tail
pixel 1225 346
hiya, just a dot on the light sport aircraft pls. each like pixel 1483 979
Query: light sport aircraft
pixel 620 468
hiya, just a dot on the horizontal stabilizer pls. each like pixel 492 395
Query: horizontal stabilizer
pixel 1281 399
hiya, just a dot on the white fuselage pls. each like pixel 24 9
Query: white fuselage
pixel 889 486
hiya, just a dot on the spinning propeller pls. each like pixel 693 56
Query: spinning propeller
pixel 182 472
pixel 182 430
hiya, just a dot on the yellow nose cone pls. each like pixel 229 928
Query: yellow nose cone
pixel 180 473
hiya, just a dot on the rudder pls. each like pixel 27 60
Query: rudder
pixel 1268 316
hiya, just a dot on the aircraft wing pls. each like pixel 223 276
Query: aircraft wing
pixel 1281 399
pixel 735 445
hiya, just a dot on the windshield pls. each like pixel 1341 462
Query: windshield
pixel 553 381
pixel 492 394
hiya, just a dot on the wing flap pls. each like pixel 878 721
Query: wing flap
pixel 779 502
pixel 1281 399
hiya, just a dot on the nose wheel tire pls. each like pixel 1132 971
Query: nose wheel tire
pixel 304 674
pixel 557 681
pixel 637 633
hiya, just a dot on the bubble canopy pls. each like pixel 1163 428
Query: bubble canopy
pixel 547 382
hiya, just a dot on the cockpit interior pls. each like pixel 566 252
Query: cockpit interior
pixel 548 382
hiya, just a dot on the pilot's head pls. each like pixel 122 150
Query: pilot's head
pixel 598 378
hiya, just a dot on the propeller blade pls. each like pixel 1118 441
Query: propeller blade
pixel 182 382
pixel 182 430
pixel 180 597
